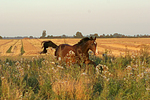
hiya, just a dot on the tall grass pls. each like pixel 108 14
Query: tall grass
pixel 124 77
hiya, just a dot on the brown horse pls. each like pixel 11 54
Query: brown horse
pixel 77 53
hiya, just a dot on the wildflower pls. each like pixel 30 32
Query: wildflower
pixel 107 79
pixel 21 60
pixel 148 89
pixel 147 70
pixel 20 96
pixel 83 74
pixel 104 77
pixel 135 66
pixel 105 72
pixel 52 68
pixel 141 75
pixel 143 63
pixel 110 74
pixel 17 63
pixel 59 58
pixel 33 58
pixel 37 56
pixel 18 67
pixel 2 78
pixel 28 66
pixel 7 63
pixel 129 68
pixel 97 68
pixel 52 62
pixel 16 76
pixel 40 76
pixel 60 67
pixel 71 52
pixel 129 74
pixel 124 79
pixel 21 71
pixel 105 67
pixel 143 67
pixel 46 61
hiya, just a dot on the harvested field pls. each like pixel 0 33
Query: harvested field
pixel 5 45
pixel 33 47
pixel 30 48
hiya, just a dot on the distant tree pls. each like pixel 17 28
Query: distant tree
pixel 103 35
pixel 107 36
pixel 43 34
pixel 0 37
pixel 78 35
pixel 117 35
pixel 111 36
pixel 63 36
pixel 94 35
pixel 31 37
pixel 50 36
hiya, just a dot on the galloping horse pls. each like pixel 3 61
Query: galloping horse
pixel 79 51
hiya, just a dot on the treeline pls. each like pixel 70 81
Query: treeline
pixel 80 35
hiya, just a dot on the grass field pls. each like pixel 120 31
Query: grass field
pixel 27 75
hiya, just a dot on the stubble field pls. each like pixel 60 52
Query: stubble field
pixel 33 47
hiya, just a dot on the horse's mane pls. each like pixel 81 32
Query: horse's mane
pixel 84 40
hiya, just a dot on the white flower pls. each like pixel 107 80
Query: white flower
pixel 105 67
pixel 129 68
pixel 52 62
pixel 148 89
pixel 147 70
pixel 17 63
pixel 107 79
pixel 2 78
pixel 7 63
pixel 60 67
pixel 141 75
pixel 83 74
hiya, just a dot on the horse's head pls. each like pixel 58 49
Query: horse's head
pixel 92 45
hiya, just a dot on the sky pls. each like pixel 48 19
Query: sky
pixel 66 17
